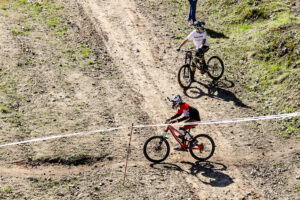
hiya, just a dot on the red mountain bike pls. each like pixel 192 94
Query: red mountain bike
pixel 157 148
pixel 215 68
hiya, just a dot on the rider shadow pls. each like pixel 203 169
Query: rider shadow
pixel 207 169
pixel 214 34
pixel 215 90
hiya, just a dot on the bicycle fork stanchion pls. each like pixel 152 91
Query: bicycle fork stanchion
pixel 128 152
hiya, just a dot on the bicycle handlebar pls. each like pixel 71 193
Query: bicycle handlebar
pixel 190 50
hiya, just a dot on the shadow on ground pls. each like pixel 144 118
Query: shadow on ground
pixel 201 170
pixel 215 90
pixel 214 34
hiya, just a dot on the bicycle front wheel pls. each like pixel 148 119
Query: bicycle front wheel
pixel 156 149
pixel 204 149
pixel 215 68
pixel 185 76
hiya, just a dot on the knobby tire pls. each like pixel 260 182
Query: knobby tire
pixel 208 147
pixel 211 67
pixel 185 76
pixel 149 149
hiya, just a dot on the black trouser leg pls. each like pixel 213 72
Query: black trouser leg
pixel 193 71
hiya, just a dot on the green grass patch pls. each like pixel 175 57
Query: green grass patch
pixel 96 187
pixel 297 188
pixel 281 19
pixel 6 190
pixel 4 7
pixel 85 52
pixel 4 109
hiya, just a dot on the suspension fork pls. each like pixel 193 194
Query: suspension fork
pixel 164 137
pixel 165 134
pixel 188 59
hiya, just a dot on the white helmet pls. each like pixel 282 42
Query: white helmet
pixel 176 101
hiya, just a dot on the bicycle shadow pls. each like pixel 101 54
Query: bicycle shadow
pixel 207 169
pixel 216 90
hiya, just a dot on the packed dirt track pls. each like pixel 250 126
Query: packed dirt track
pixel 138 71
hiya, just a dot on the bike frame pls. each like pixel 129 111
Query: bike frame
pixel 184 144
pixel 189 58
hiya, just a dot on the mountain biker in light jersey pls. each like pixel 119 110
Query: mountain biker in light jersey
pixel 191 114
pixel 199 38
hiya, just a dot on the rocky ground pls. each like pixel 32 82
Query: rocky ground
pixel 87 65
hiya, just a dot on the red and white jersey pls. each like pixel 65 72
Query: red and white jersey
pixel 188 111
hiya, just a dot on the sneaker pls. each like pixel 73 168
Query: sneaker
pixel 180 149
pixel 190 22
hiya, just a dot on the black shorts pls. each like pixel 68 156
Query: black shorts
pixel 200 52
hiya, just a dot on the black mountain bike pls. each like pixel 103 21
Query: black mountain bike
pixel 214 69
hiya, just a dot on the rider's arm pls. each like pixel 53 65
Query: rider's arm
pixel 183 43
pixel 189 37
pixel 182 119
pixel 175 116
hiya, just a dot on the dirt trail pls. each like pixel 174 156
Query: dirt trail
pixel 134 48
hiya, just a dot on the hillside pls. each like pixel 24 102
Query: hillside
pixel 259 43
pixel 72 66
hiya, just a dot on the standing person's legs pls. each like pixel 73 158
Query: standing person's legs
pixel 190 12
pixel 193 9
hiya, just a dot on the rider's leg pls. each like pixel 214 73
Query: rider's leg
pixel 193 69
pixel 186 129
pixel 182 139
pixel 201 59
pixel 204 49
pixel 195 60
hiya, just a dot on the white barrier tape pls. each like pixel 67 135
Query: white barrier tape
pixel 234 120
pixel 62 136
pixel 159 125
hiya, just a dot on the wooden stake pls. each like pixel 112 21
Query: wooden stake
pixel 128 152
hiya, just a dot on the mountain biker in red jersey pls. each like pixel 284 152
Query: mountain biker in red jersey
pixel 191 114
pixel 199 38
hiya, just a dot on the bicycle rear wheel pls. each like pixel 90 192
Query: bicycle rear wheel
pixel 215 68
pixel 156 149
pixel 204 149
pixel 185 76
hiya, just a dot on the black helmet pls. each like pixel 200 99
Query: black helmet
pixel 199 26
